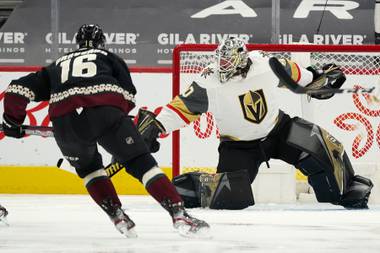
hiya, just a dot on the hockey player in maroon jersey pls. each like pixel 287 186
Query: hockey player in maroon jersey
pixel 240 90
pixel 90 94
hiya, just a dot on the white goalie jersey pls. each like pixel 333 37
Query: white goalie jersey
pixel 244 108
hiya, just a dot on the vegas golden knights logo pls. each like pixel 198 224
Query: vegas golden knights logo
pixel 254 106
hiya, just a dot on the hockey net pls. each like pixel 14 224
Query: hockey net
pixel 353 119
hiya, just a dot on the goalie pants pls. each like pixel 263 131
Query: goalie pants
pixel 77 135
pixel 249 155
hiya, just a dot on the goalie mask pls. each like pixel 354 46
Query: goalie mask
pixel 231 58
pixel 90 36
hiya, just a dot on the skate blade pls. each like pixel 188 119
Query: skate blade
pixel 201 233
pixel 129 233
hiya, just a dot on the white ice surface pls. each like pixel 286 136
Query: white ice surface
pixel 61 223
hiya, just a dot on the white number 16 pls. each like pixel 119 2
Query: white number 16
pixel 82 67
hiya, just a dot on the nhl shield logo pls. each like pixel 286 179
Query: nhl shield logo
pixel 254 106
pixel 129 140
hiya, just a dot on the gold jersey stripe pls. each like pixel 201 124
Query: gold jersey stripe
pixel 295 71
pixel 181 109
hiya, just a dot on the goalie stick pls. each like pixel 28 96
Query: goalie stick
pixel 292 85
pixel 43 131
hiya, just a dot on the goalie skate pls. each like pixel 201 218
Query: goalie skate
pixel 124 224
pixel 187 225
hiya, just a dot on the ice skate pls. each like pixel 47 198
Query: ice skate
pixel 3 215
pixel 124 224
pixel 121 221
pixel 187 225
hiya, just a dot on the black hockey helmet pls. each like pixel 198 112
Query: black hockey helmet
pixel 90 35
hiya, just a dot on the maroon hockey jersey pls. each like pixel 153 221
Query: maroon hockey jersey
pixel 83 78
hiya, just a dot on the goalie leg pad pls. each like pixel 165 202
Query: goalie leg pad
pixel 357 194
pixel 327 166
pixel 322 180
pixel 233 191
pixel 188 187
pixel 310 139
pixel 356 189
pixel 229 190
pixel 321 160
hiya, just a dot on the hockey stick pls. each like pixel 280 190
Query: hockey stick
pixel 43 131
pixel 286 80
pixel 111 169
pixel 36 130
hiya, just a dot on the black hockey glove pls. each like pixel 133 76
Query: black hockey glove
pixel 150 129
pixel 11 128
pixel 329 77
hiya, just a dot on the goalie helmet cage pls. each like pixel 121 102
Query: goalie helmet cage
pixel 355 60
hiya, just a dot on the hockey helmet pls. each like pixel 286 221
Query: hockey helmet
pixel 90 36
pixel 231 57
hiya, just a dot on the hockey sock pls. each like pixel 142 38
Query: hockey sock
pixel 103 192
pixel 159 186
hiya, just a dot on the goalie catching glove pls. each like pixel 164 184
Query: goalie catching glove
pixel 150 129
pixel 329 77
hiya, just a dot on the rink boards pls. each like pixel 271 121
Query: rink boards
pixel 28 165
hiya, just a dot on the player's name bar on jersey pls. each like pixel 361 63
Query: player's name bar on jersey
pixel 12 60
pixel 126 61
pixel 129 61
pixel 164 61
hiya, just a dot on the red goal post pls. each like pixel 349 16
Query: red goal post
pixel 356 60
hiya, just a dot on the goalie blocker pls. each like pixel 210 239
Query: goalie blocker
pixel 230 190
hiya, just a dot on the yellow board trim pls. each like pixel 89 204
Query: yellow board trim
pixel 52 180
